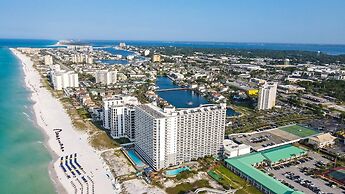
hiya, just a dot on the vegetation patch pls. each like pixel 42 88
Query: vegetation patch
pixel 230 180
pixel 185 187
pixel 83 113
pixel 101 140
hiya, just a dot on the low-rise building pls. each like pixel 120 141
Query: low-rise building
pixel 156 58
pixel 245 167
pixel 232 149
pixel 322 140
pixel 290 89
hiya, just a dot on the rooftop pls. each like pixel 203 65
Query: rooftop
pixel 152 110
pixel 323 137
pixel 281 153
pixel 245 165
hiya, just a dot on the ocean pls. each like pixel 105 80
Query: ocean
pixel 23 158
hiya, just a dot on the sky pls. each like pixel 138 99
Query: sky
pixel 277 21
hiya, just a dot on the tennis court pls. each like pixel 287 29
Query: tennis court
pixel 337 175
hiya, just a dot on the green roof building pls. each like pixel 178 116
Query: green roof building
pixel 245 165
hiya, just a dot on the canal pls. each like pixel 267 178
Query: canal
pixel 183 98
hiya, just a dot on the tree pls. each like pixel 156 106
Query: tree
pixel 342 117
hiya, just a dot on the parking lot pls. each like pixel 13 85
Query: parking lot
pixel 259 140
pixel 294 175
pixel 265 139
pixel 326 125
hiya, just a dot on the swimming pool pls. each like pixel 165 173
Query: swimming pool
pixel 176 171
pixel 135 158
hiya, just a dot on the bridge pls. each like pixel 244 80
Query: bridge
pixel 172 89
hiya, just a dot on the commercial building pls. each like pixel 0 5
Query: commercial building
pixel 245 167
pixel 322 140
pixel 232 149
pixel 118 116
pixel 267 96
pixel 253 92
pixel 168 137
pixel 106 77
pixel 48 60
pixel 156 58
pixel 62 79
pixel 289 89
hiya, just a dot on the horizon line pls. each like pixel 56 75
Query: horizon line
pixel 178 41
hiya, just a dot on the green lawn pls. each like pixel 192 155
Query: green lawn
pixel 299 130
pixel 230 180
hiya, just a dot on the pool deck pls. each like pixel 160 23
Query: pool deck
pixel 125 152
pixel 176 168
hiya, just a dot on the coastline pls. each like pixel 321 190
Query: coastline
pixel 47 109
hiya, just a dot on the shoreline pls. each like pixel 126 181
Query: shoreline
pixel 47 109
pixel 58 186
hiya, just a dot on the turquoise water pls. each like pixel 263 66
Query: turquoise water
pixel 135 158
pixel 23 158
pixel 176 171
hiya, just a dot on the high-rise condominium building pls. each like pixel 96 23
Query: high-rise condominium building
pixel 118 116
pixel 170 137
pixel 146 52
pixel 88 59
pixel 48 60
pixel 267 96
pixel 78 58
pixel 63 79
pixel 106 77
pixel 82 58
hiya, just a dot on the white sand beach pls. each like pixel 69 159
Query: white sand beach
pixel 94 176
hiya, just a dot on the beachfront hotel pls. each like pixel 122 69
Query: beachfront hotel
pixel 62 79
pixel 168 137
pixel 118 116
pixel 267 96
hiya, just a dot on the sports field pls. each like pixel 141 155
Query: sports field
pixel 338 175
pixel 299 130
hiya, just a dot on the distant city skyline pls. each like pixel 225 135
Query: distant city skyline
pixel 268 21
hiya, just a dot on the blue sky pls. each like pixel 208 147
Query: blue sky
pixel 282 21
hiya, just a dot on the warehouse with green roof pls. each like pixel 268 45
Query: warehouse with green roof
pixel 245 166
